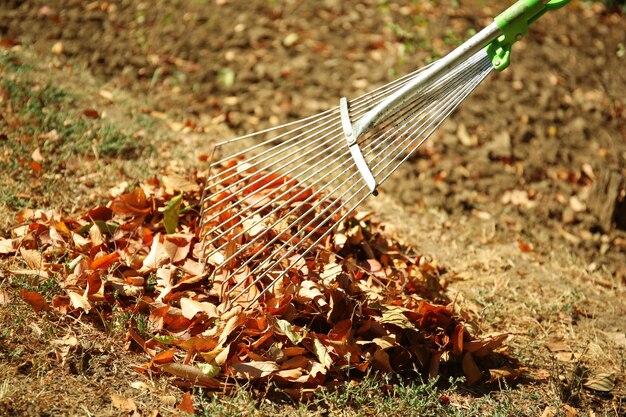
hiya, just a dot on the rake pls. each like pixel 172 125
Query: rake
pixel 273 196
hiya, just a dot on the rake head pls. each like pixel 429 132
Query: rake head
pixel 274 196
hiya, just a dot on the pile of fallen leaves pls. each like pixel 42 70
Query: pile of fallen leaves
pixel 361 307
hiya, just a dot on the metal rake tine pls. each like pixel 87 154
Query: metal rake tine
pixel 358 108
pixel 451 104
pixel 294 222
pixel 259 210
pixel 255 182
pixel 269 243
pixel 284 194
pixel 432 129
pixel 289 252
pixel 358 104
pixel 306 251
pixel 234 169
pixel 325 220
pixel 331 139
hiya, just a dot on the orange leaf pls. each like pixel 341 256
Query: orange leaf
pixel 186 406
pixel 457 340
pixel 34 299
pixel 104 262
pixel 268 181
pixel 524 247
pixel 165 356
pixel 134 202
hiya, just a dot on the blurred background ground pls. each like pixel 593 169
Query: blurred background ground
pixel 507 194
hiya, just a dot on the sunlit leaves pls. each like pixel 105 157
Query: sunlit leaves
pixel 356 302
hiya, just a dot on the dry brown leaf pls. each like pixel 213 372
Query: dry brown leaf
pixel 174 183
pixel 177 246
pixel 4 297
pixel 78 301
pixel 36 155
pixel 157 257
pixel 470 369
pixel 186 405
pixel 602 382
pixel 125 405
pixel 322 353
pixel 6 246
pixel 190 373
pixel 395 315
pixel 254 369
pixel 190 308
pixel 32 258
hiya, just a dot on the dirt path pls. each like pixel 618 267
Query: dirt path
pixel 503 194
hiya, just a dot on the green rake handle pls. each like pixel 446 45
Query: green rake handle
pixel 514 23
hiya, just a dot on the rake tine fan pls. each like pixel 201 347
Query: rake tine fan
pixel 273 196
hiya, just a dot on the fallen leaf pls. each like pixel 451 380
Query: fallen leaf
pixel 395 315
pixel 34 299
pixel 191 307
pixel 470 369
pixel 210 370
pixel 78 301
pixel 105 262
pixel 36 155
pixel 174 183
pixel 322 353
pixel 91 113
pixel 125 405
pixel 254 369
pixel 171 213
pixel 603 382
pixel 186 405
pixel 4 297
pixel 158 255
pixel 33 258
pixel 287 329
pixel 190 373
pixel 6 246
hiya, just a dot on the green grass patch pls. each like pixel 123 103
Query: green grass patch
pixel 47 135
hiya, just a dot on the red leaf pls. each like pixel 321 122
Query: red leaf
pixel 186 405
pixel 91 113
pixel 34 299
pixel 35 166
pixel 100 213
pixel 524 247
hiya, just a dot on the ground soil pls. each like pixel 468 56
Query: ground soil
pixel 500 195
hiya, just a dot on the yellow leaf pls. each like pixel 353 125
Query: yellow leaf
pixel 286 329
